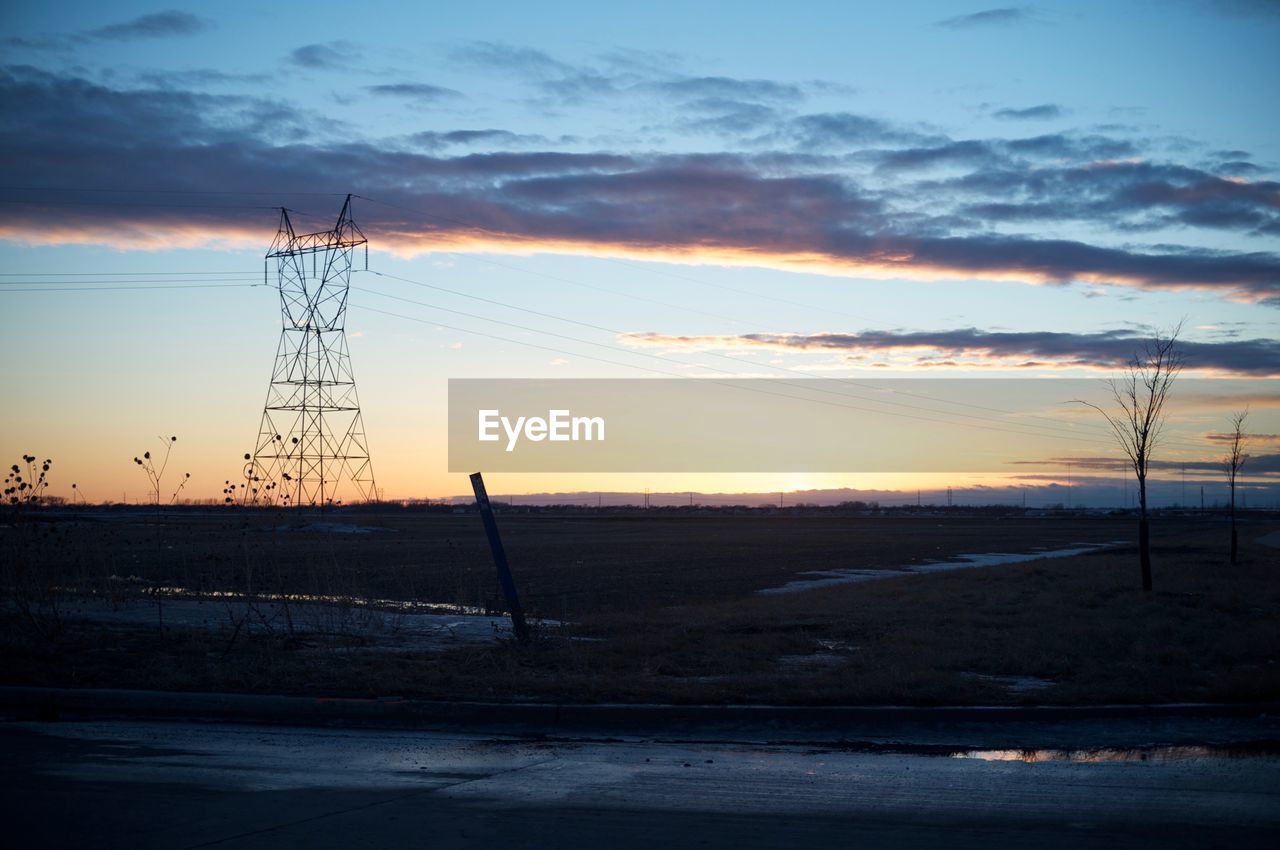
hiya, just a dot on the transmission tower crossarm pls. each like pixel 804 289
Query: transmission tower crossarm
pixel 345 234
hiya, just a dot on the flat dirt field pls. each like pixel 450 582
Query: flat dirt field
pixel 566 565
pixel 661 606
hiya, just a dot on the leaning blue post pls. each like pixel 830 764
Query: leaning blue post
pixel 500 559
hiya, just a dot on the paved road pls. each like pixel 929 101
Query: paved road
pixel 165 784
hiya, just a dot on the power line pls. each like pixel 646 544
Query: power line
pixel 646 368
pixel 146 205
pixel 137 286
pixel 1054 430
pixel 276 193
pixel 489 301
pixel 659 357
pixel 747 292
pixel 1097 430
pixel 605 289
pixel 1005 427
pixel 117 274
pixel 110 285
pixel 115 286
pixel 41 284
pixel 524 342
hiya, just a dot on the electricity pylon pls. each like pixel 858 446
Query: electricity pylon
pixel 311 445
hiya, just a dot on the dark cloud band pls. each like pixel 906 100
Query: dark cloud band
pixel 1105 350
pixel 772 208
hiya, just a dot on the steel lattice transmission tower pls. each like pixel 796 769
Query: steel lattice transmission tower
pixel 311 446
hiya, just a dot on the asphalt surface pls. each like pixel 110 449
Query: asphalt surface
pixel 161 783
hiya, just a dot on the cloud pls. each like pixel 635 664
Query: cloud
pixel 987 18
pixel 1236 168
pixel 1268 464
pixel 1247 8
pixel 433 140
pixel 508 57
pixel 621 74
pixel 1043 112
pixel 563 80
pixel 772 209
pixel 842 130
pixel 333 55
pixel 1070 146
pixel 420 92
pixel 729 88
pixel 1132 194
pixel 196 77
pixel 994 160
pixel 972 347
pixel 972 153
pixel 1249 439
pixel 167 24
pixel 729 117
pixel 156 25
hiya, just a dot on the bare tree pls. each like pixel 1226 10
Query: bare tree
pixel 1140 396
pixel 1233 463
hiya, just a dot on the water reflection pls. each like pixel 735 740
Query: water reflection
pixel 1126 754
pixel 403 605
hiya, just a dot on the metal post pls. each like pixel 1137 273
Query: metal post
pixel 500 559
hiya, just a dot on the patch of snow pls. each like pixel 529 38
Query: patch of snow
pixel 830 578
pixel 381 629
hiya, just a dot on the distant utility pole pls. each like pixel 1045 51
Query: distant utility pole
pixel 948 497
pixel 1068 486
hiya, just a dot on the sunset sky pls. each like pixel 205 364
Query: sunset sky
pixel 589 190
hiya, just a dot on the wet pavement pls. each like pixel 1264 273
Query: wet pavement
pixel 129 783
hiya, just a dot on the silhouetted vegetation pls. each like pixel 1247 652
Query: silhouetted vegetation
pixel 25 483
pixel 1233 463
pixel 1140 396
pixel 155 473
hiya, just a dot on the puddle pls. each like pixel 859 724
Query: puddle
pixel 1140 754
pixel 411 626
pixel 1135 754
pixel 146 587
pixel 829 578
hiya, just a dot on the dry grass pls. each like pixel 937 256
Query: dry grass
pixel 1208 633
pixel 568 566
